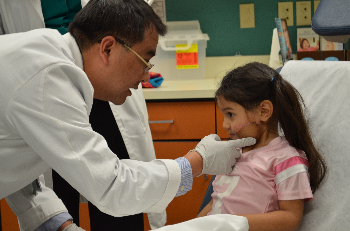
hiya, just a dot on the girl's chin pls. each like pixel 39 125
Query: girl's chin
pixel 234 137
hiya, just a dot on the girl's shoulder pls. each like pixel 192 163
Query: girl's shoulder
pixel 276 152
pixel 288 155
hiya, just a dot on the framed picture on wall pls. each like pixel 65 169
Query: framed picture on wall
pixel 307 40
pixel 330 46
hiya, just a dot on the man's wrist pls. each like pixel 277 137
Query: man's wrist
pixel 64 225
pixel 56 223
pixel 196 162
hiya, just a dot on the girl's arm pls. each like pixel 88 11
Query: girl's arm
pixel 206 209
pixel 287 218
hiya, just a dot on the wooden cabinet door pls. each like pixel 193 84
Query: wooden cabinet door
pixel 9 220
pixel 181 120
pixel 185 207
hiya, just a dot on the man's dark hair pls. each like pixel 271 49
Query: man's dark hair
pixel 126 20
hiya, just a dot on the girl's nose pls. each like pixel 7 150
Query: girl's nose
pixel 226 125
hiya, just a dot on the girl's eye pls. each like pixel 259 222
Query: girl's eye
pixel 230 114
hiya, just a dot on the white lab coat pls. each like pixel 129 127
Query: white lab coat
pixel 45 102
pixel 28 16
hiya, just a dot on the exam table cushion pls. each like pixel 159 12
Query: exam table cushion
pixel 324 86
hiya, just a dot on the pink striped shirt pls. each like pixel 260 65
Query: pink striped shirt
pixel 261 178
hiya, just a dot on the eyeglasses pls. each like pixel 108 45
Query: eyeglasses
pixel 148 64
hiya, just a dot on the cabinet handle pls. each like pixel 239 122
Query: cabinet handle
pixel 161 122
pixel 205 176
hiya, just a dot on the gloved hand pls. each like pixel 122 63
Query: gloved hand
pixel 219 156
pixel 73 227
pixel 157 220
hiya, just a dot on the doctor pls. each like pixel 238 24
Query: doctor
pixel 46 98
pixel 127 134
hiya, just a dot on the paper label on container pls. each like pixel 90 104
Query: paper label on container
pixel 187 59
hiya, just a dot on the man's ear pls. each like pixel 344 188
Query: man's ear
pixel 105 48
pixel 266 110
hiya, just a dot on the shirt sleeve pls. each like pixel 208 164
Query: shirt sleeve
pixel 50 113
pixel 186 185
pixel 296 187
pixel 186 176
pixel 292 179
pixel 55 222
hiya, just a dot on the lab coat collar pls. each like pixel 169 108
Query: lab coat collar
pixel 73 46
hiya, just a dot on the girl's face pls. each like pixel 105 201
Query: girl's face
pixel 237 121
pixel 306 44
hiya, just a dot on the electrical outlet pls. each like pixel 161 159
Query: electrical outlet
pixel 246 15
pixel 303 13
pixel 316 5
pixel 285 10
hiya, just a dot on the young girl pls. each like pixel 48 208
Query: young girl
pixel 273 178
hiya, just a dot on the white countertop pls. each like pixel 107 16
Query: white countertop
pixel 183 89
pixel 215 70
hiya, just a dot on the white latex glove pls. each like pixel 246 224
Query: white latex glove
pixel 73 227
pixel 157 220
pixel 219 156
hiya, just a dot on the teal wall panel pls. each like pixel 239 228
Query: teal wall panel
pixel 220 20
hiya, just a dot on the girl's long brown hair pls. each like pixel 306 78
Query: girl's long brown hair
pixel 253 83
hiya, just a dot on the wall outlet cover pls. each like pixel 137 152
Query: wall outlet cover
pixel 303 13
pixel 285 11
pixel 247 15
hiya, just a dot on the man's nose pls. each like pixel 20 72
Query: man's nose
pixel 145 77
